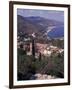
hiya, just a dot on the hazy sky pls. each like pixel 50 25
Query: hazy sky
pixel 49 14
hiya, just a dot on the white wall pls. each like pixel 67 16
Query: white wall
pixel 4 45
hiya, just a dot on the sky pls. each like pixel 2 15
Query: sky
pixel 49 14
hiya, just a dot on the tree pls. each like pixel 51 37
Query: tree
pixel 33 48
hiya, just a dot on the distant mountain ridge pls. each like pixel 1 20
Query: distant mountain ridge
pixel 37 25
pixel 43 21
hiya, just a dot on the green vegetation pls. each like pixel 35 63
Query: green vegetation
pixel 57 42
pixel 29 65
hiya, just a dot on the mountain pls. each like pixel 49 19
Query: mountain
pixel 37 25
pixel 43 21
pixel 25 26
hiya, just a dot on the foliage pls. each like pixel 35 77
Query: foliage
pixel 29 65
pixel 57 42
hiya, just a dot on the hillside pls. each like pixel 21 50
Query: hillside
pixel 37 25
